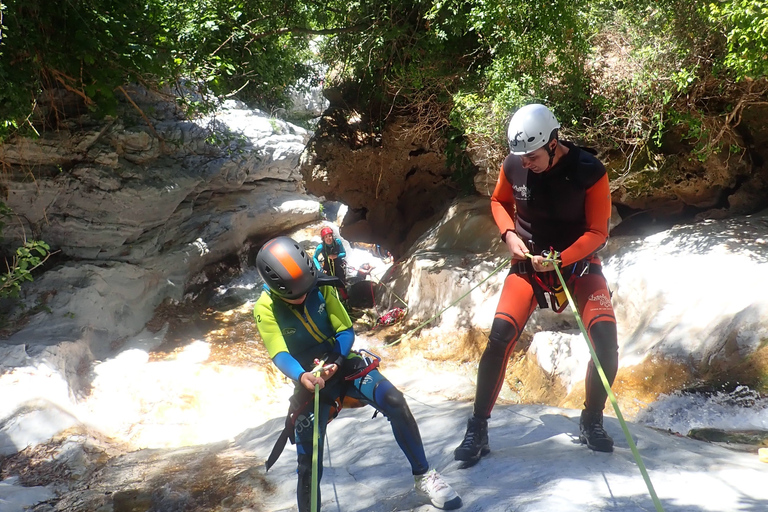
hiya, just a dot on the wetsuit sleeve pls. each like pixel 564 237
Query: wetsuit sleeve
pixel 318 250
pixel 342 251
pixel 286 363
pixel 503 204
pixel 597 206
pixel 344 341
pixel 273 339
pixel 266 323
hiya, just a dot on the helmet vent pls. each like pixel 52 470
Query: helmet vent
pixel 286 268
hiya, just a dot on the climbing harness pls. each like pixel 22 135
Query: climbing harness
pixel 607 387
pixel 558 298
pixel 298 405
pixel 332 267
pixel 371 363
pixel 545 284
pixel 301 401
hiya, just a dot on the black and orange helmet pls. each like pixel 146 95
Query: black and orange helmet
pixel 286 268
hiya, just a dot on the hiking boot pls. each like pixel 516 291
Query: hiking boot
pixel 431 485
pixel 475 443
pixel 592 432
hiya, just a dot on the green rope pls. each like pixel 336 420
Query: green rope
pixel 315 437
pixel 611 396
pixel 401 338
pixel 389 290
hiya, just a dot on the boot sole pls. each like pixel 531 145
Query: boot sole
pixel 595 447
pixel 450 505
pixel 468 463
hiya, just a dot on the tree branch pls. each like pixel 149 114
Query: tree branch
pixel 316 32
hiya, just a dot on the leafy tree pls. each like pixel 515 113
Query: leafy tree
pixel 450 64
pixel 93 47
pixel 744 24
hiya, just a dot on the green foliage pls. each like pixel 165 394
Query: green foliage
pixel 92 47
pixel 27 258
pixel 744 23
pixel 646 55
pixel 464 170
pixel 527 51
pixel 608 68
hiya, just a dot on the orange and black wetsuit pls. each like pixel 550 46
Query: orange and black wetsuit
pixel 566 208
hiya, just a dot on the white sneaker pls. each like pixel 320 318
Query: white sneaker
pixel 431 485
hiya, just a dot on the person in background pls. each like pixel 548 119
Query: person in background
pixel 301 321
pixel 552 202
pixel 333 255
pixel 382 254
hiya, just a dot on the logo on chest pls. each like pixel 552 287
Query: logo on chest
pixel 321 308
pixel 288 331
pixel 522 192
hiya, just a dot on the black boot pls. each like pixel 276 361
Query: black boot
pixel 475 443
pixel 592 432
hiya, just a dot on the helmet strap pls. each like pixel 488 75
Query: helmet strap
pixel 551 152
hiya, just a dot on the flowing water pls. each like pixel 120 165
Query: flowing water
pixel 209 379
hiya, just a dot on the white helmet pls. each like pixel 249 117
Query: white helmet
pixel 531 128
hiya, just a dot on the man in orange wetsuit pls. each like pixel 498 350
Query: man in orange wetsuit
pixel 551 196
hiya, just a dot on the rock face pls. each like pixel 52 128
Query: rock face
pixel 394 182
pixel 731 179
pixel 137 209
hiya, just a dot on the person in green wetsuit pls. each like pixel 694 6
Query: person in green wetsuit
pixel 301 320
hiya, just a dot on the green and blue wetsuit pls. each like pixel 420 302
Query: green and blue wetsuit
pixel 294 336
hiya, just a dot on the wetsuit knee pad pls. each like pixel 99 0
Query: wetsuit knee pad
pixel 503 332
pixel 605 341
pixel 304 467
pixel 394 398
pixel 393 403
pixel 304 464
pixel 604 337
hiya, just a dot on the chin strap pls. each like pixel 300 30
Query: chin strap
pixel 551 152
